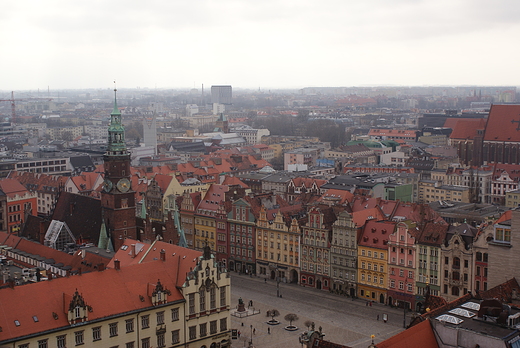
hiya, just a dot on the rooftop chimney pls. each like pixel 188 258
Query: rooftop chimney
pixel 163 255
pixel 132 250
pixel 117 264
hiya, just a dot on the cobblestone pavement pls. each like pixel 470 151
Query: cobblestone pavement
pixel 345 321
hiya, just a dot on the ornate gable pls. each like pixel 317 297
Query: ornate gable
pixel 78 309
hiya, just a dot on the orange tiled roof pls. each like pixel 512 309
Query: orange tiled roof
pixel 420 335
pixel 121 293
pixel 502 123
pixel 467 128
pixel 12 187
pixel 360 217
pixel 375 234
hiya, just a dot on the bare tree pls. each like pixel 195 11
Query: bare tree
pixel 291 317
pixel 307 323
pixel 273 313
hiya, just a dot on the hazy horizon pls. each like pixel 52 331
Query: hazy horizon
pixel 283 44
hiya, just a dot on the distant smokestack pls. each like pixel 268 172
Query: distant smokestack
pixel 163 255
pixel 117 264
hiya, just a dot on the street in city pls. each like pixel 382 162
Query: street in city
pixel 343 320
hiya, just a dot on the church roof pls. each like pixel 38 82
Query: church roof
pixel 503 123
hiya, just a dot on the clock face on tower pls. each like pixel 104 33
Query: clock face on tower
pixel 123 185
pixel 107 185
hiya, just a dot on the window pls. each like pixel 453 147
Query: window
pixel 78 337
pixel 145 342
pixel 223 324
pixel 192 332
pixel 96 333
pixel 160 318
pixel 112 329
pixel 175 314
pixel 129 325
pixel 176 337
pixel 26 345
pixel 145 321
pixel 212 327
pixel 60 341
pixel 130 344
pixel 161 342
pixel 191 300
pixel 202 329
pixel 43 343
pixel 212 298
pixel 202 300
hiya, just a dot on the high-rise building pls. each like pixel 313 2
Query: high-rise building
pixel 221 94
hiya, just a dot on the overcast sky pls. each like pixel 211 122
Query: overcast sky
pixel 258 43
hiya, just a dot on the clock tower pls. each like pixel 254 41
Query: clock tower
pixel 117 196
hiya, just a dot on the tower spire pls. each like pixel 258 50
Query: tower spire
pixel 116 110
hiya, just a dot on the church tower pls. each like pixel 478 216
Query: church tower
pixel 117 196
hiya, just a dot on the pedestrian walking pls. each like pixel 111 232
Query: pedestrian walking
pixel 378 317
pixel 238 334
pixel 366 304
pixel 265 280
pixel 254 331
pixel 370 303
pixel 269 330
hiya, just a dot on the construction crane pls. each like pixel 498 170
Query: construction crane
pixel 13 105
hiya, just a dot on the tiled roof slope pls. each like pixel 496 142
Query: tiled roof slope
pixel 109 292
pixel 81 213
pixel 502 123
pixel 184 259
pixel 420 335
pixel 467 128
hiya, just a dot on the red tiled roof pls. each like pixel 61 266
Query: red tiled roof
pixel 121 292
pixel 420 335
pixel 375 234
pixel 342 196
pixel 184 259
pixel 360 217
pixel 502 123
pixel 467 128
pixel 12 187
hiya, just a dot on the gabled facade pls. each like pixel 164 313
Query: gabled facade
pixel 315 248
pixel 187 215
pixel 206 215
pixel 401 265
pixel 242 234
pixel 277 246
pixel 457 259
pixel 373 260
pixel 428 262
pixel 343 253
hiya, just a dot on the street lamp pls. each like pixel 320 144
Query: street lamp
pixel 251 340
pixel 277 283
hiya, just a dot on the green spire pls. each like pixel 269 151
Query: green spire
pixel 116 110
pixel 104 241
pixel 116 131
pixel 143 209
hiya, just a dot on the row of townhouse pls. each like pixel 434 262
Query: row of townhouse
pixel 395 260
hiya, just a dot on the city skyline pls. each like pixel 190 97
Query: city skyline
pixel 267 45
